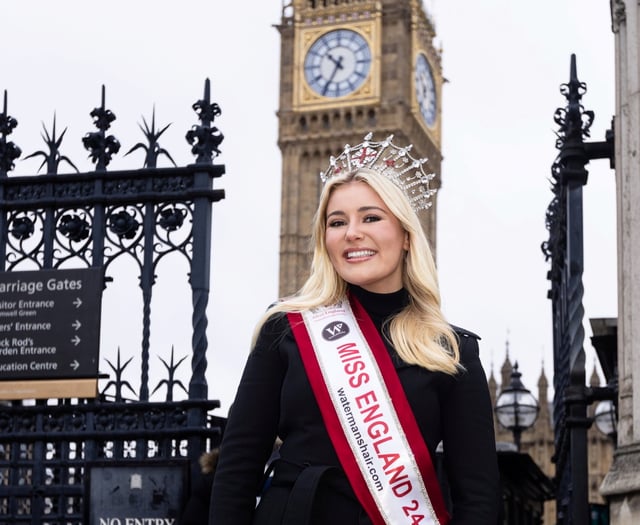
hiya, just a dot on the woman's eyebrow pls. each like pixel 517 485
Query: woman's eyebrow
pixel 369 208
pixel 361 209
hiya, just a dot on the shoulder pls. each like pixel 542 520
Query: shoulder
pixel 271 327
pixel 468 345
pixel 461 332
pixel 275 323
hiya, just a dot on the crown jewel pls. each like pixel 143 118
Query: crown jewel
pixel 393 162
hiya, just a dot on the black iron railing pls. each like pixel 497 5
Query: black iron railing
pixel 88 220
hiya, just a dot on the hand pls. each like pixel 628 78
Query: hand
pixel 338 65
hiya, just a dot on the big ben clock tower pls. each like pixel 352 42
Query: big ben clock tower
pixel 349 67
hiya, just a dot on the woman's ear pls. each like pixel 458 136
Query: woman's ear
pixel 406 241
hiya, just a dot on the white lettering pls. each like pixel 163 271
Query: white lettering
pixel 64 284
pixel 34 365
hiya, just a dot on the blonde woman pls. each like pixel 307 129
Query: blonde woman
pixel 361 376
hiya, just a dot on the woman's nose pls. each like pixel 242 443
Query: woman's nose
pixel 353 232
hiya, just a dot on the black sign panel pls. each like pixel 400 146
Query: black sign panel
pixel 138 494
pixel 50 323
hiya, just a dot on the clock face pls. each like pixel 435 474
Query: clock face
pixel 337 63
pixel 426 90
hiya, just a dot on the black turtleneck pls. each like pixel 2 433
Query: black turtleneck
pixel 381 306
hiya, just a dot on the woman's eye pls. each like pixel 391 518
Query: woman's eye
pixel 371 218
pixel 335 223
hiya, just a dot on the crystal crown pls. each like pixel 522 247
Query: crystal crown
pixel 393 162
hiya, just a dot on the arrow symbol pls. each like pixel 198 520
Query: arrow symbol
pixel 76 324
pixel 78 302
pixel 75 340
pixel 74 364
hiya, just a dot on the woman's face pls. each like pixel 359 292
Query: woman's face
pixel 365 241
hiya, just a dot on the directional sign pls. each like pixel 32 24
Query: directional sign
pixel 50 323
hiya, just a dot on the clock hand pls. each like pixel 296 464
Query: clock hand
pixel 338 62
pixel 338 65
pixel 422 85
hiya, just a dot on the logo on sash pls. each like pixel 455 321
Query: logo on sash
pixel 335 330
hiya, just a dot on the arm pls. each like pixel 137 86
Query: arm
pixel 469 442
pixel 250 432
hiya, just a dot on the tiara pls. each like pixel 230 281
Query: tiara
pixel 393 162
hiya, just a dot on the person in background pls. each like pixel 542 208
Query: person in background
pixel 360 374
pixel 196 509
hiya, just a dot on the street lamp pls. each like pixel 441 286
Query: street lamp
pixel 606 419
pixel 516 408
pixel 605 342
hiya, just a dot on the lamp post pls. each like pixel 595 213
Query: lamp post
pixel 606 419
pixel 605 342
pixel 516 408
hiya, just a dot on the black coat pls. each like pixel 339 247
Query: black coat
pixel 275 399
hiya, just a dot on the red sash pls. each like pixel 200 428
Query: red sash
pixel 347 330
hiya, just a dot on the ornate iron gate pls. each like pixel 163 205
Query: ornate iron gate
pixel 83 220
pixel 564 249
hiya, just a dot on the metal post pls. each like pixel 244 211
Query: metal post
pixel 205 139
pixel 575 177
pixel 517 437
pixel 565 248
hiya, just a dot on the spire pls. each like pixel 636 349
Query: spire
pixel 543 382
pixel 505 371
pixel 543 388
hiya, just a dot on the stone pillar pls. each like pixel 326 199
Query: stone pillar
pixel 621 486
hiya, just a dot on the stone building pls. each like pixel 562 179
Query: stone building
pixel 622 483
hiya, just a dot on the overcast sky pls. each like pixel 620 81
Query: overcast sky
pixel 504 62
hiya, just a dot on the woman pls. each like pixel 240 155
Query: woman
pixel 360 375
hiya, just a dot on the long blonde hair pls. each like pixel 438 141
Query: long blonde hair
pixel 419 333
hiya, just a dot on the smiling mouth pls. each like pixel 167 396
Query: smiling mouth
pixel 360 253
